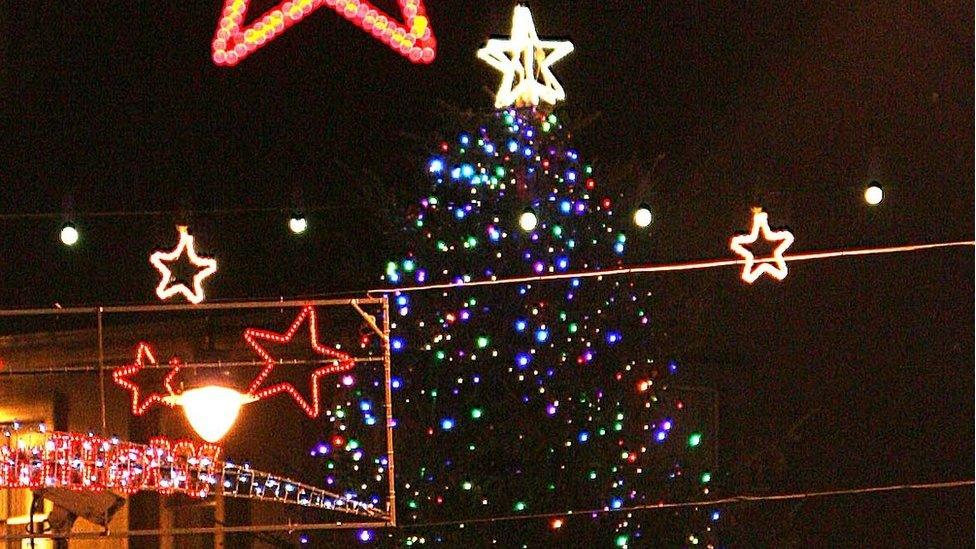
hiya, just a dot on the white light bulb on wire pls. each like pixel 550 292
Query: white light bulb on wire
pixel 298 224
pixel 873 195
pixel 69 234
pixel 528 220
pixel 643 216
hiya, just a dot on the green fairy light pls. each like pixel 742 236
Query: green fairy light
pixel 442 246
pixel 592 474
pixel 706 477
pixel 621 540
pixel 573 327
pixel 482 342
pixel 694 439
pixel 557 231
pixel 476 413
pixel 466 485
pixel 562 316
pixel 520 506
pixel 621 237
pixel 412 504
pixel 499 171
pixel 409 265
pixel 439 355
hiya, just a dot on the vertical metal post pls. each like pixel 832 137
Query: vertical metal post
pixel 101 372
pixel 389 410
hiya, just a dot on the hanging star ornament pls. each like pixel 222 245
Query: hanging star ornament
pixel 166 288
pixel 144 356
pixel 523 59
pixel 777 268
pixel 338 362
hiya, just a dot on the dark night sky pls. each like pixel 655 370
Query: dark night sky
pixel 851 372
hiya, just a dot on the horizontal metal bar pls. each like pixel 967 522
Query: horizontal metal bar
pixel 167 366
pixel 230 305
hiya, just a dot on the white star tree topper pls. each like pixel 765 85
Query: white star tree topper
pixel 524 61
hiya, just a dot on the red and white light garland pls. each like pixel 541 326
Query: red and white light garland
pixel 90 463
pixel 413 38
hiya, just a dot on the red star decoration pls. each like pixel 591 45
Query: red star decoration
pixel 122 374
pixel 342 362
pixel 412 37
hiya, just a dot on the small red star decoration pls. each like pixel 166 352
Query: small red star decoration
pixel 122 374
pixel 342 362
pixel 777 269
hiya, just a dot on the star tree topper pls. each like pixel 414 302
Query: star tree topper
pixel 208 266
pixel 523 59
pixel 777 269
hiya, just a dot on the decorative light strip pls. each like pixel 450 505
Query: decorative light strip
pixel 413 39
pixel 343 362
pixel 83 462
pixel 672 267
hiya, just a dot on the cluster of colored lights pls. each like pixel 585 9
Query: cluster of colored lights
pixel 233 41
pixel 539 396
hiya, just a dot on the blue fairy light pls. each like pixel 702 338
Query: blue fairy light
pixel 447 424
pixel 520 325
pixel 522 360
pixel 542 335
pixel 436 165
pixel 397 344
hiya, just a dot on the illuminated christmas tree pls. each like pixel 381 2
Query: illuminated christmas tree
pixel 531 396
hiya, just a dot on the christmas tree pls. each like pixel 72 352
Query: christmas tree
pixel 532 396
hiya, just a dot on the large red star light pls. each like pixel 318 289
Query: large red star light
pixel 413 38
pixel 122 374
pixel 341 362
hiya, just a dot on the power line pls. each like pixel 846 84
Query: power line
pixel 705 503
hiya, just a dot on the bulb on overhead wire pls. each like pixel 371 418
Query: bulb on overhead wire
pixel 298 223
pixel 69 234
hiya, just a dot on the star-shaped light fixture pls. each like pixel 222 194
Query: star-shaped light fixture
pixel 777 269
pixel 523 59
pixel 166 289
pixel 339 362
pixel 121 375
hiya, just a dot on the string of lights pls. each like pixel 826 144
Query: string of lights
pixel 670 267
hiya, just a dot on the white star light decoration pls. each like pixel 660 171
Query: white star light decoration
pixel 522 59
pixel 777 269
pixel 208 266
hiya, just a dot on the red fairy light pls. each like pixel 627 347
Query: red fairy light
pixel 412 38
pixel 342 362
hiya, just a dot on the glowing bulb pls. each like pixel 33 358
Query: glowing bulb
pixel 643 217
pixel 298 224
pixel 211 410
pixel 528 220
pixel 873 195
pixel 69 234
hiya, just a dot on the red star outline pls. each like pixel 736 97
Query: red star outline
pixel 342 362
pixel 412 37
pixel 121 376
